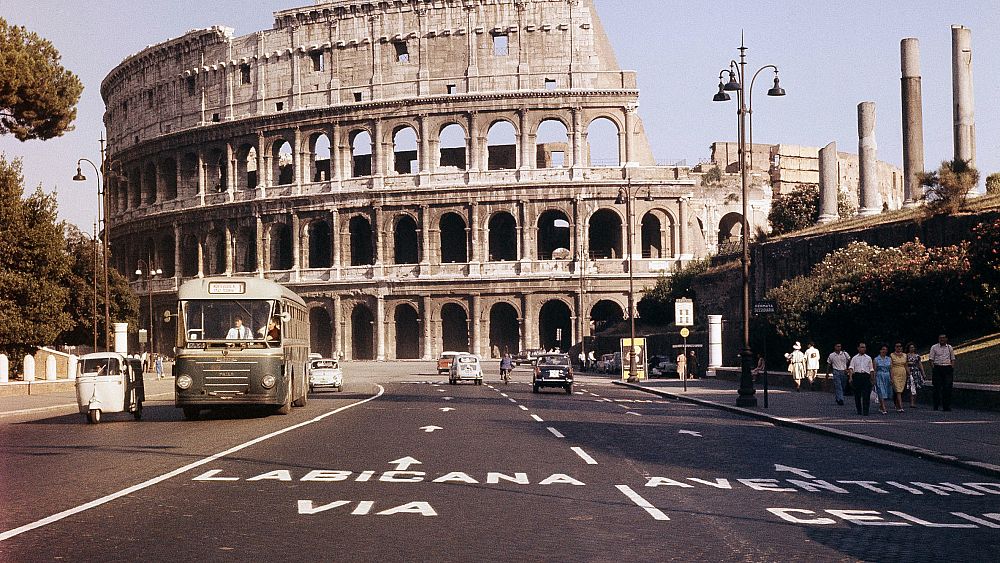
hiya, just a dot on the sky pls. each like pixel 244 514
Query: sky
pixel 832 56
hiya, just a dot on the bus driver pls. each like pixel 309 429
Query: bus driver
pixel 238 331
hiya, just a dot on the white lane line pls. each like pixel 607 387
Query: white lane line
pixel 656 513
pixel 537 418
pixel 156 480
pixel 634 413
pixel 511 400
pixel 522 407
pixel 584 455
pixel 505 395
pixel 555 432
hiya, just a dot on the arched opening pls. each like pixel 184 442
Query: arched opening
pixel 284 163
pixel 652 236
pixel 320 145
pixel 604 234
pixel 189 175
pixel 404 150
pixel 149 183
pixel 246 167
pixel 551 144
pixel 320 249
pixel 407 333
pixel 168 179
pixel 454 328
pixel 553 236
pixel 503 238
pixel 215 253
pixel 501 146
pixel 362 242
pixel 405 241
pixel 454 243
pixel 321 332
pixel 245 257
pixel 554 326
pixel 189 256
pixel 215 171
pixel 362 333
pixel 730 229
pixel 452 154
pixel 134 188
pixel 166 254
pixel 505 330
pixel 361 154
pixel 602 143
pixel 606 314
pixel 281 247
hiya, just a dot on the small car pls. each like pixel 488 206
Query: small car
pixel 325 372
pixel 444 362
pixel 662 366
pixel 465 367
pixel 605 363
pixel 552 370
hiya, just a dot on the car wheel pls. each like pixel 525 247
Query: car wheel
pixel 312 389
pixel 94 416
pixel 287 407
pixel 569 389
pixel 191 413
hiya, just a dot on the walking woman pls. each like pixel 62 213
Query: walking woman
pixel 898 373
pixel 883 379
pixel 797 364
pixel 915 370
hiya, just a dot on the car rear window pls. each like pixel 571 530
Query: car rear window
pixel 553 361
pixel 466 360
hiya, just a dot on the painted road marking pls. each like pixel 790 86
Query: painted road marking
pixel 74 406
pixel 402 464
pixel 522 407
pixel 555 432
pixel 446 409
pixel 447 398
pixel 633 413
pixel 691 432
pixel 584 455
pixel 506 396
pixel 511 400
pixel 155 480
pixel 430 428
pixel 537 418
pixel 656 513
pixel 804 473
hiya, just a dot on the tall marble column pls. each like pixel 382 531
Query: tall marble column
pixel 913 121
pixel 828 183
pixel 963 106
pixel 868 201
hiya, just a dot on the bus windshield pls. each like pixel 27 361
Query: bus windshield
pixel 228 320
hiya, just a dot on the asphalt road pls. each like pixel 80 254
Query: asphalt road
pixel 403 466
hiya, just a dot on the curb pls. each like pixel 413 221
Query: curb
pixel 6 414
pixel 922 453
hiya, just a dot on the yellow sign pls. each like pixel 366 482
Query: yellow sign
pixel 639 349
pixel 685 333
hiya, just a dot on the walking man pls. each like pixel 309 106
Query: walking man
pixel 942 357
pixel 159 366
pixel 838 361
pixel 862 373
pixel 812 364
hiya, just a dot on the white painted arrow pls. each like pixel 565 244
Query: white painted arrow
pixel 430 429
pixel 447 398
pixel 446 409
pixel 804 473
pixel 691 432
pixel 404 462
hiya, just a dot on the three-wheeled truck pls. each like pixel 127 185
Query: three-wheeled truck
pixel 106 382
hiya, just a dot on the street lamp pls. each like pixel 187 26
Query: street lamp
pixel 101 216
pixel 625 195
pixel 144 269
pixel 737 83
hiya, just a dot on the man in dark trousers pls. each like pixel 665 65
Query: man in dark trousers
pixel 862 374
pixel 942 358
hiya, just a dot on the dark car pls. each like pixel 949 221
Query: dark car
pixel 552 370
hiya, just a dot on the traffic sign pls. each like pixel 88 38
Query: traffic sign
pixel 684 312
pixel 685 333
pixel 765 307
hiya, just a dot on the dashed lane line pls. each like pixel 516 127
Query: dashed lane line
pixel 537 418
pixel 511 400
pixel 522 407
pixel 656 513
pixel 584 455
pixel 555 432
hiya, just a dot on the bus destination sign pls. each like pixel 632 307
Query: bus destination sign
pixel 227 288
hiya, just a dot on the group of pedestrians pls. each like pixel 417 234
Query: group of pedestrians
pixel 886 376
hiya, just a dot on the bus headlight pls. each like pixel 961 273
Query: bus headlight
pixel 267 381
pixel 184 382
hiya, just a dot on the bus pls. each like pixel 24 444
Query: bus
pixel 240 341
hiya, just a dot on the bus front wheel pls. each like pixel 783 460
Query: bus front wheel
pixel 287 406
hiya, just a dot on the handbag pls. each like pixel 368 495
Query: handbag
pixel 874 396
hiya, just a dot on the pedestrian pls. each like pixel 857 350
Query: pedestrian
pixel 897 372
pixel 942 358
pixel 838 361
pixel 682 371
pixel 159 366
pixel 693 364
pixel 583 360
pixel 916 373
pixel 591 359
pixel 862 377
pixel 883 377
pixel 812 364
pixel 797 364
pixel 759 370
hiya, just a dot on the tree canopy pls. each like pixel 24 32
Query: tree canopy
pixel 38 96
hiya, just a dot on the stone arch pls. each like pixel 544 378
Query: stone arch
pixel 320 244
pixel 215 252
pixel 605 314
pixel 604 234
pixel 404 150
pixel 552 148
pixel 283 163
pixel 454 327
pixel 216 170
pixel 505 329
pixel 362 241
pixel 149 183
pixel 165 251
pixel 245 255
pixel 603 143
pixel 501 146
pixel 454 239
pixel 361 153
pixel 407 329
pixel 406 240
pixel 321 331
pixel 502 234
pixel 189 174
pixel 246 167
pixel 553 235
pixel 730 228
pixel 362 333
pixel 320 163
pixel 134 190
pixel 281 247
pixel 167 188
pixel 651 235
pixel 452 152
pixel 555 325
pixel 189 255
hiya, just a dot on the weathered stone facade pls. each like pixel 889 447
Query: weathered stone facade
pixel 425 174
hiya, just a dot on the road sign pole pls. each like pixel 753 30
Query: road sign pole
pixel 686 367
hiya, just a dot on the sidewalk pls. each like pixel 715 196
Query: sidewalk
pixel 962 437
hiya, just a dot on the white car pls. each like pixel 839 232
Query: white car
pixel 465 367
pixel 325 372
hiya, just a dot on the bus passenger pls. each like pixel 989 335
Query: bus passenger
pixel 271 331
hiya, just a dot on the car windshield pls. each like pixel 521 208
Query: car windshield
pixel 101 366
pixel 553 361
pixel 235 319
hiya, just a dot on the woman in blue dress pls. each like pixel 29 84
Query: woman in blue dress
pixel 883 379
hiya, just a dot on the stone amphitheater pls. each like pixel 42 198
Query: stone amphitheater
pixel 428 175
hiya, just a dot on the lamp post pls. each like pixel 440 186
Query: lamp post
pixel 737 83
pixel 625 195
pixel 101 219
pixel 96 258
pixel 146 270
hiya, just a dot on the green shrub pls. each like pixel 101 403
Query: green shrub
pixel 993 183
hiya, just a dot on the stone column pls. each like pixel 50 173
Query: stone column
pixel 338 326
pixel 475 143
pixel 228 233
pixel 474 328
pixel 913 121
pixel 829 181
pixel 425 320
pixel 714 341
pixel 178 267
pixel 527 330
pixel 121 337
pixel 682 227
pixel 963 107
pixel 296 243
pixel 259 241
pixel 868 160
pixel 526 146
pixel 201 255
pixel 28 368
pixel 380 328
pixel 4 368
pixel 630 114
pixel 425 236
pixel 71 367
pixel 50 368
pixel 335 239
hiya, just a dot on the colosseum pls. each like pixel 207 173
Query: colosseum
pixel 428 174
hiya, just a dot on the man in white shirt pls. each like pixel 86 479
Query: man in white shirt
pixel 812 364
pixel 942 358
pixel 862 372
pixel 838 361
pixel 238 331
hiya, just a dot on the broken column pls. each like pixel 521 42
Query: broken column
pixel 828 184
pixel 868 199
pixel 963 107
pixel 913 121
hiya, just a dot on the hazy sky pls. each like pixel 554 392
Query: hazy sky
pixel 832 55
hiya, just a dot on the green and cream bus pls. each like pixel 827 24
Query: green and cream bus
pixel 240 341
